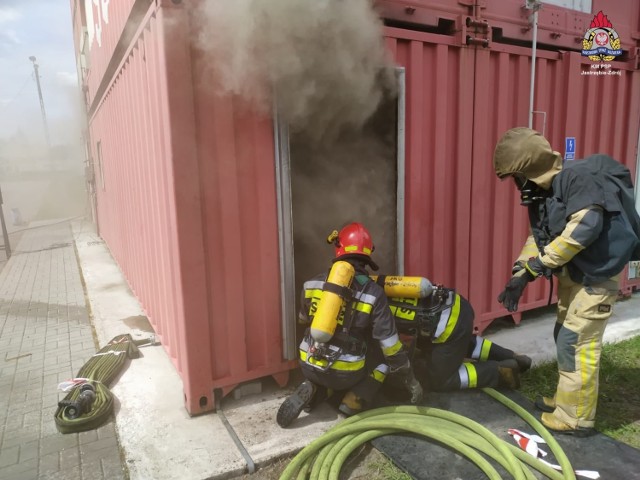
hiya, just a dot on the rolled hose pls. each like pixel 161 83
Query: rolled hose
pixel 323 458
pixel 101 369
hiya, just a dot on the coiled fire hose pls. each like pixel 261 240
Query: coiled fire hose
pixel 323 458
pixel 99 371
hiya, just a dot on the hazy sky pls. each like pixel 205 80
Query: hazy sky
pixel 40 28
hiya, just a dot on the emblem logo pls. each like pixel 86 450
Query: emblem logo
pixel 601 42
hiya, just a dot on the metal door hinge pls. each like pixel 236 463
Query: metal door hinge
pixel 475 31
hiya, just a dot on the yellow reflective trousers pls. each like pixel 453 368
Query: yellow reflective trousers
pixel 583 312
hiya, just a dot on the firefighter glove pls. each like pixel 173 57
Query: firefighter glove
pixel 536 268
pixel 512 292
pixel 415 389
pixel 405 374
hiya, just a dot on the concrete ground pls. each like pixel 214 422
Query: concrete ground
pixel 152 430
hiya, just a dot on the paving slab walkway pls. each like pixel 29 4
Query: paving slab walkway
pixel 45 337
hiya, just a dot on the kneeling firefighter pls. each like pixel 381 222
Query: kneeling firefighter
pixel 352 343
pixel 455 357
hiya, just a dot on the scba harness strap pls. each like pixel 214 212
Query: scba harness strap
pixel 344 292
pixel 343 352
pixel 342 344
pixel 414 315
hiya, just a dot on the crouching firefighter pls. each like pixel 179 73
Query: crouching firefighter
pixel 455 357
pixel 352 343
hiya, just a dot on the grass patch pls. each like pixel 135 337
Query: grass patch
pixel 384 469
pixel 618 414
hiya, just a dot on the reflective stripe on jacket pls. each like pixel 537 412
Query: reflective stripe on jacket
pixel 370 316
pixel 345 362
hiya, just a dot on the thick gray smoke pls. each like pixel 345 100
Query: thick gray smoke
pixel 323 58
pixel 350 180
pixel 325 62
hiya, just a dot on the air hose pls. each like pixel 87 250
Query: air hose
pixel 74 415
pixel 323 458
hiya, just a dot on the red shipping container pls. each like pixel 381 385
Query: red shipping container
pixel 189 184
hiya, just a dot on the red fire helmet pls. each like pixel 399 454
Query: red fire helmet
pixel 352 239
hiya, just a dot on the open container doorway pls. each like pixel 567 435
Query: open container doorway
pixel 354 176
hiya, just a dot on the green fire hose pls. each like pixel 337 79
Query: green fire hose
pixel 323 458
pixel 81 410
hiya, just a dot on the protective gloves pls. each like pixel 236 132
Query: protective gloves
pixel 405 374
pixel 536 268
pixel 414 388
pixel 512 292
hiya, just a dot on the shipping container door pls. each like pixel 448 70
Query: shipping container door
pixel 326 182
pixel 499 225
pixel 438 132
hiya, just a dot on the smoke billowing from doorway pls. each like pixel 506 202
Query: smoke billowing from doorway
pixel 352 179
pixel 326 62
pixel 322 58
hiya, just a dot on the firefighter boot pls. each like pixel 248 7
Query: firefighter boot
pixel 351 404
pixel 550 421
pixel 546 404
pixel 509 372
pixel 322 394
pixel 295 403
pixel 524 362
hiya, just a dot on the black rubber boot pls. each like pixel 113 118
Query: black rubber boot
pixel 295 403
pixel 322 394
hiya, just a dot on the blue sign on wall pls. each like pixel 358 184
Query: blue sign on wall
pixel 570 148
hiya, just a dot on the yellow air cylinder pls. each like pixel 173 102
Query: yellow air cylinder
pixel 325 320
pixel 405 287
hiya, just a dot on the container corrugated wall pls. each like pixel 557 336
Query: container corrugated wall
pixel 240 227
pixel 186 202
pixel 136 199
pixel 438 145
pixel 105 22
pixel 571 109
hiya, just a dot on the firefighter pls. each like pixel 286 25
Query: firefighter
pixel 355 354
pixel 456 358
pixel 582 232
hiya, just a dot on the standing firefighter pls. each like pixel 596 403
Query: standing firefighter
pixel 456 358
pixel 584 230
pixel 352 343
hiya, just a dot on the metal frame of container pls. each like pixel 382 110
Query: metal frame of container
pixel 189 205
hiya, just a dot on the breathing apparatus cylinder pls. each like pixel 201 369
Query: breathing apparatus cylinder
pixel 331 302
pixel 404 287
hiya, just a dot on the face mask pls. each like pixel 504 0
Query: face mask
pixel 529 191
